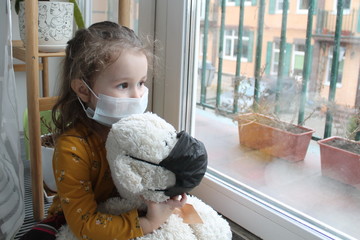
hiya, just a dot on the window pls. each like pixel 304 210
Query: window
pixel 275 58
pixel 278 6
pixel 302 6
pixel 237 2
pixel 231 45
pixel 341 65
pixel 346 6
pixel 288 200
pixel 298 59
pixel 230 2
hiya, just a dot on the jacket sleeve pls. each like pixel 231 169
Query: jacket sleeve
pixel 72 168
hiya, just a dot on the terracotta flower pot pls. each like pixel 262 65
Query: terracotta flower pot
pixel 279 139
pixel 339 162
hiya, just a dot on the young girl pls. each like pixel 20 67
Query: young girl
pixel 104 72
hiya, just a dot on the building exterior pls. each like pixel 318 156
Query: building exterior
pixel 322 44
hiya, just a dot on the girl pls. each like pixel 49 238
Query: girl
pixel 104 72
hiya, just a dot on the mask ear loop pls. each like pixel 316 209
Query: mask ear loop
pixel 90 89
pixel 90 115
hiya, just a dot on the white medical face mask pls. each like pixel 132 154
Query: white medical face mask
pixel 109 109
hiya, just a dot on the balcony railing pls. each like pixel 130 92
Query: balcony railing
pixel 326 22
pixel 336 24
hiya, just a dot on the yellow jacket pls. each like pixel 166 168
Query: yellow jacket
pixel 83 180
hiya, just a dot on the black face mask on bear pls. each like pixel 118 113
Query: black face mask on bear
pixel 187 160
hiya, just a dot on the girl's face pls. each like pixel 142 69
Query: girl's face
pixel 124 78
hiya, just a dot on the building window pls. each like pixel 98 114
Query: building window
pixel 346 6
pixel 298 59
pixel 340 68
pixel 302 6
pixel 237 2
pixel 279 6
pixel 231 45
pixel 275 58
pixel 230 2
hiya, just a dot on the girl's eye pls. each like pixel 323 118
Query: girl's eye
pixel 141 83
pixel 122 85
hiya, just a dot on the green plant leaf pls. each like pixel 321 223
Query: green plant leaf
pixel 78 15
pixel 17 6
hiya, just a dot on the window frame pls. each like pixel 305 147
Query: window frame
pixel 294 54
pixel 233 38
pixel 300 10
pixel 277 9
pixel 328 66
pixel 274 51
pixel 346 11
pixel 230 3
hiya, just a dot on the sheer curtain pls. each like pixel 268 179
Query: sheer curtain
pixel 11 168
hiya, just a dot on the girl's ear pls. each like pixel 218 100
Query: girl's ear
pixel 81 90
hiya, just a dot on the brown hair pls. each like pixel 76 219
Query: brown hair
pixel 89 53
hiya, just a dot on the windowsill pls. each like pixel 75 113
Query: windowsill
pixel 298 185
pixel 234 59
pixel 338 85
pixel 345 12
pixel 300 11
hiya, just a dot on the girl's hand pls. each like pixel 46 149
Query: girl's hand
pixel 158 213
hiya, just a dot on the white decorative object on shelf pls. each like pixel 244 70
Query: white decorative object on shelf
pixel 55 25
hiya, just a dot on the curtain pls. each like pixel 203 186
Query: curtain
pixel 12 208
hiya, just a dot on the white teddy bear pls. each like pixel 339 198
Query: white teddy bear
pixel 150 160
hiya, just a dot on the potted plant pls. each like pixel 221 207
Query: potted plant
pixel 274 137
pixel 47 151
pixel 55 23
pixel 340 156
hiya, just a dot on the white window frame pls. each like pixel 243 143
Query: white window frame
pixel 277 9
pixel 247 3
pixel 201 44
pixel 230 3
pixel 273 52
pixel 329 64
pixel 233 37
pixel 233 3
pixel 346 11
pixel 176 83
pixel 298 9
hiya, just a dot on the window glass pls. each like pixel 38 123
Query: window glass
pixel 275 59
pixel 230 2
pixel 346 4
pixel 279 5
pixel 303 4
pixel 306 186
pixel 341 64
pixel 231 44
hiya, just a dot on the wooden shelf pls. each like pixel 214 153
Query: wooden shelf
pixel 36 61
pixel 19 51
